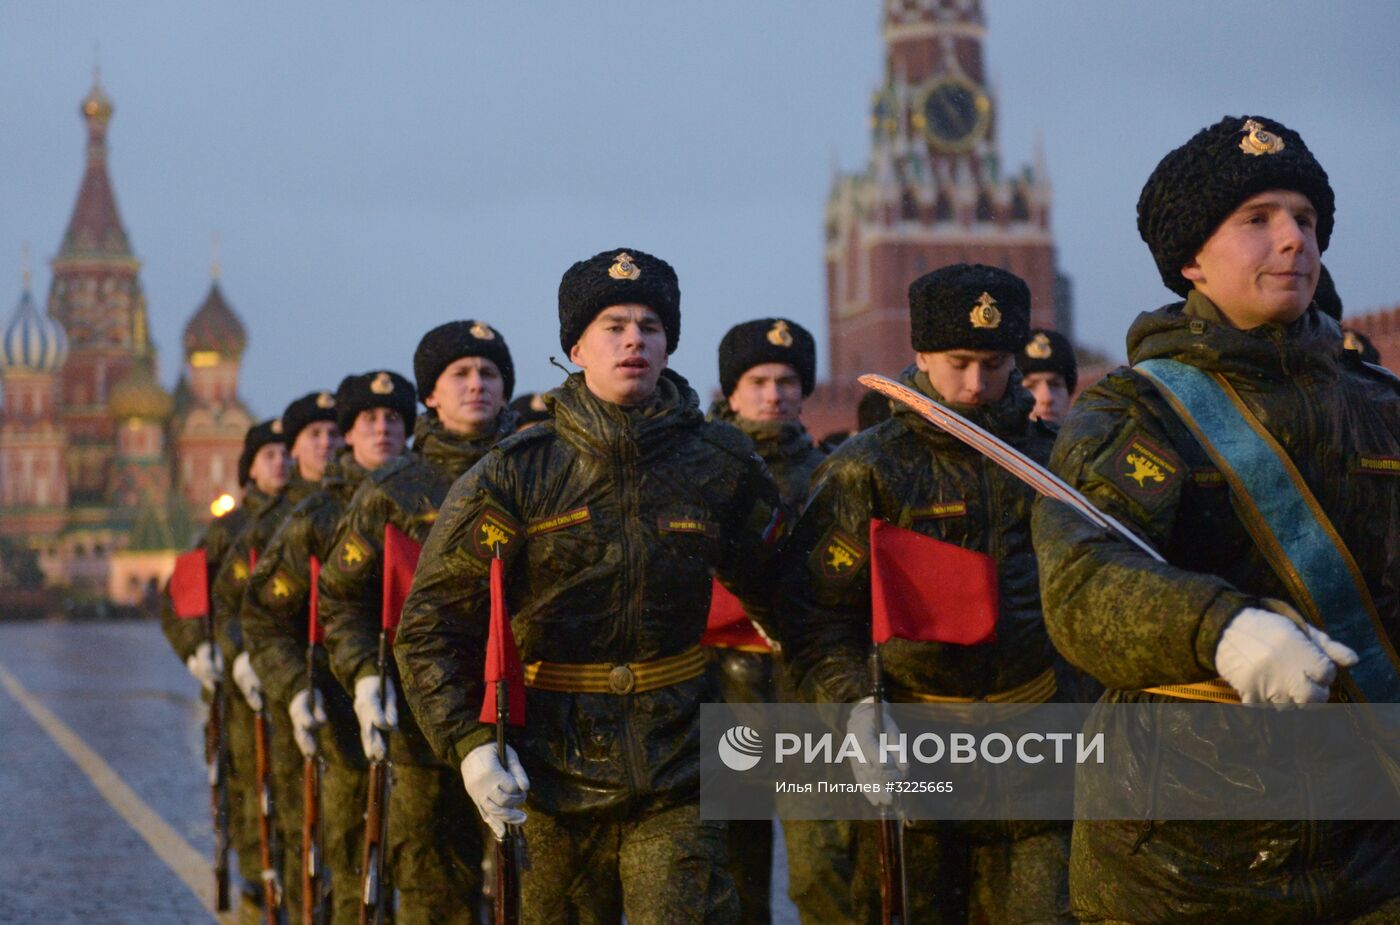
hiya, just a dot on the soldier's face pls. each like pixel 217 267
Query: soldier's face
pixel 768 392
pixel 968 377
pixel 622 354
pixel 1261 264
pixel 468 395
pixel 269 468
pixel 376 437
pixel 1051 396
pixel 313 448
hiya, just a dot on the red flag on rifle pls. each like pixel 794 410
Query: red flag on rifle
pixel 926 590
pixel 400 559
pixel 314 634
pixel 727 626
pixel 189 585
pixel 502 659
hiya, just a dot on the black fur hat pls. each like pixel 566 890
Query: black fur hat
pixel 619 276
pixel 447 343
pixel 378 388
pixel 969 307
pixel 1049 352
pixel 767 340
pixel 1195 187
pixel 257 437
pixel 312 407
pixel 1326 298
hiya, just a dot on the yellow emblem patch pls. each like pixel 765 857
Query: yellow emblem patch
pixel 240 570
pixel 1039 348
pixel 1144 467
pixel 623 267
pixel 281 587
pixel 780 334
pixel 839 555
pixel 352 554
pixel 985 313
pixel 492 531
pixel 382 384
pixel 482 331
pixel 1259 140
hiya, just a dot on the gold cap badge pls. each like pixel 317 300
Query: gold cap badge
pixel 1351 342
pixel 1259 140
pixel 482 331
pixel 382 384
pixel 985 313
pixel 277 426
pixel 624 268
pixel 1039 348
pixel 325 400
pixel 780 335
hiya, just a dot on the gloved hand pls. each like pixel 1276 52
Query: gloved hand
pixel 308 714
pixel 872 772
pixel 207 665
pixel 247 680
pixel 372 717
pixel 1266 658
pixel 496 791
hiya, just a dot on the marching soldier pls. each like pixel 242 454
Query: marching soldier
pixel 313 437
pixel 1050 372
pixel 611 516
pixel 465 377
pixel 968 323
pixel 1173 447
pixel 766 369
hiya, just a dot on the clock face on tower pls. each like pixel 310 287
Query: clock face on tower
pixel 954 114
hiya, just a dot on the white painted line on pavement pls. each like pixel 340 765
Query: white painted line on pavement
pixel 189 865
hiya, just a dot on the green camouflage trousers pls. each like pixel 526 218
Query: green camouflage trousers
pixel 434 855
pixel 242 788
pixel 956 878
pixel 660 868
pixel 831 881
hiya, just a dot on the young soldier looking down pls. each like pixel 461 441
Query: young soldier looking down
pixel 612 516
pixel 967 324
pixel 1235 219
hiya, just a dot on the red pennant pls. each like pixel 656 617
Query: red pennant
pixel 189 585
pixel 502 659
pixel 252 559
pixel 926 590
pixel 314 634
pixel 727 626
pixel 400 559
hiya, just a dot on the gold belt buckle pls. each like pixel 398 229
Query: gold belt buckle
pixel 621 680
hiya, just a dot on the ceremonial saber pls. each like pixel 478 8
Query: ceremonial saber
pixel 1003 454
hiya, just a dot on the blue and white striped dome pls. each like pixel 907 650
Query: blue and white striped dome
pixel 32 340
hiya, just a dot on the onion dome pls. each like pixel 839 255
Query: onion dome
pixel 139 395
pixel 32 340
pixel 96 106
pixel 215 330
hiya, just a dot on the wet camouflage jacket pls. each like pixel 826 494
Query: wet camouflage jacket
pixel 407 493
pixel 911 474
pixel 1133 623
pixel 276 604
pixel 613 521
pixel 226 592
pixel 186 635
pixel 785 448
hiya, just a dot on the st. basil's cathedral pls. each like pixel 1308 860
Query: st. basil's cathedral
pixel 104 475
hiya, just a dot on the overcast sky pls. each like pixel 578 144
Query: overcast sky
pixel 375 169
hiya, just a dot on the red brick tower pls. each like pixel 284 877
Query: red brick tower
pixel 934 193
pixel 96 295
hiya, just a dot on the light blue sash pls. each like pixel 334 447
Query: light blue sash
pixel 1285 521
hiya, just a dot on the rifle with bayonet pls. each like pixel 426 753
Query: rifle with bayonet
pixel 375 896
pixel 313 899
pixel 267 829
pixel 216 757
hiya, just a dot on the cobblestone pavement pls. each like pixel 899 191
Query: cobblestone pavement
pixel 67 853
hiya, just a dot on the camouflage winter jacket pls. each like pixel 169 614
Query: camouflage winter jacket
pixel 1133 622
pixel 785 448
pixel 226 592
pixel 613 521
pixel 276 604
pixel 913 475
pixel 186 635
pixel 406 493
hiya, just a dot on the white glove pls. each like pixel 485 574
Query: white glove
pixel 1268 659
pixel 372 718
pixel 496 792
pixel 247 680
pixel 308 714
pixel 872 772
pixel 207 665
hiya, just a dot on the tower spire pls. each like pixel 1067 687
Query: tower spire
pixel 214 268
pixel 24 265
